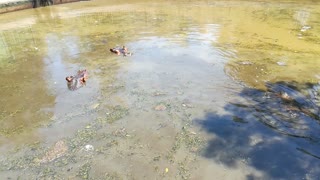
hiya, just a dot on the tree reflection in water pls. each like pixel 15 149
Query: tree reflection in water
pixel 272 132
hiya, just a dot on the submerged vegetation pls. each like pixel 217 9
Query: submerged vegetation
pixel 170 111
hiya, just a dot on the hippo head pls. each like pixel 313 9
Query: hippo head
pixel 69 78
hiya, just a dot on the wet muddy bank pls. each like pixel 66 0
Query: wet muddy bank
pixel 16 5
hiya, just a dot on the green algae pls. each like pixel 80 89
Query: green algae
pixel 84 170
pixel 93 45
pixel 186 138
pixel 116 113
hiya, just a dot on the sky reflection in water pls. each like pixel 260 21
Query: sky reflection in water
pixel 186 51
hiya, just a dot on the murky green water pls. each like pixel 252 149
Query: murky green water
pixel 215 89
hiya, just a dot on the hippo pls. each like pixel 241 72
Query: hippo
pixel 124 51
pixel 77 81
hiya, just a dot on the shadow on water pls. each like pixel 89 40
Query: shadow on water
pixel 275 131
pixel 38 3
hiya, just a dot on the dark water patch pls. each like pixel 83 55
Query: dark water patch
pixel 274 133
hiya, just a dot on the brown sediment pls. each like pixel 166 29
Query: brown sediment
pixel 17 5
pixel 59 149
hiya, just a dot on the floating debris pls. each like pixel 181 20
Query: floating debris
pixel 281 63
pixel 285 96
pixel 88 147
pixel 188 105
pixel 94 106
pixel 245 63
pixel 305 28
pixel 159 94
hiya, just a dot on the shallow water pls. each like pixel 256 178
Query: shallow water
pixel 223 89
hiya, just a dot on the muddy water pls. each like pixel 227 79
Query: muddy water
pixel 214 89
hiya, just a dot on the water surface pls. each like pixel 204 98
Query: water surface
pixel 223 89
